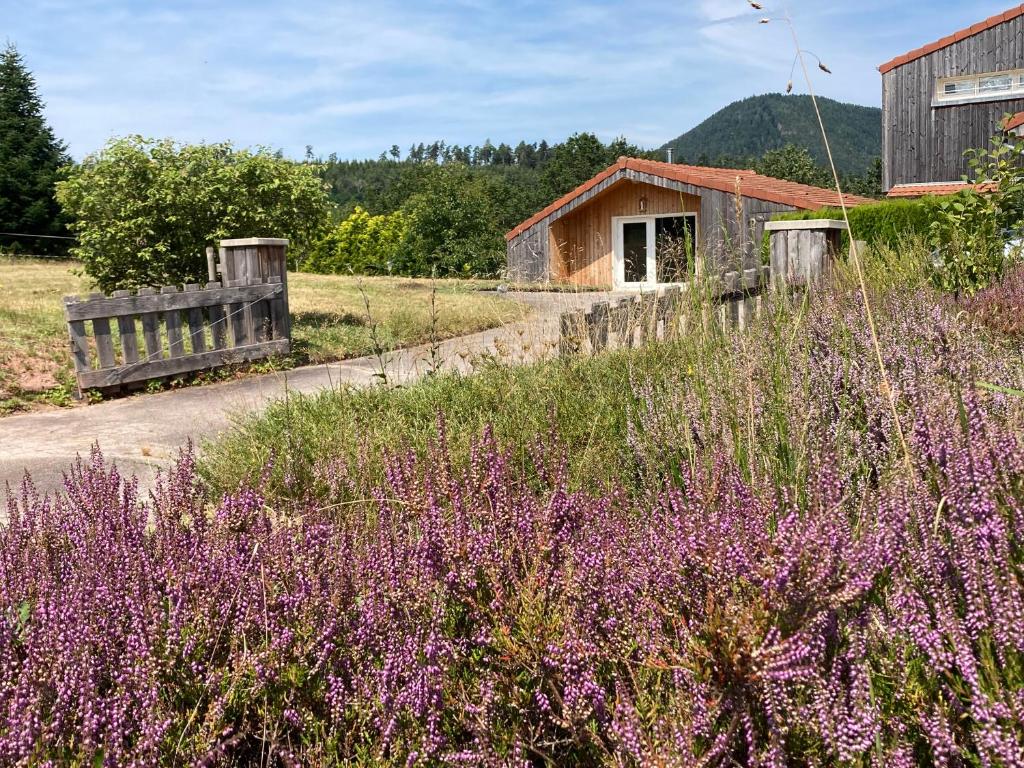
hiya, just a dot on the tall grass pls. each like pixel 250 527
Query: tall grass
pixel 703 378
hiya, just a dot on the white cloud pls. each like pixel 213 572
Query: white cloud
pixel 355 77
pixel 718 10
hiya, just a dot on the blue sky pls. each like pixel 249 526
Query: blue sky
pixel 356 77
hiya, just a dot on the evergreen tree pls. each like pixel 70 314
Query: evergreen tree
pixel 30 156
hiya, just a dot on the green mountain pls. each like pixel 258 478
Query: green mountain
pixel 748 128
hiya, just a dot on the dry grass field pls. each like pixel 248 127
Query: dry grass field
pixel 329 317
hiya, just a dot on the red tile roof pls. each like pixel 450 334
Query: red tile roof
pixel 956 37
pixel 750 184
pixel 936 188
pixel 1014 121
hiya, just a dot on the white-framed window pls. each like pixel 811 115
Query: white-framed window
pixel 654 249
pixel 990 86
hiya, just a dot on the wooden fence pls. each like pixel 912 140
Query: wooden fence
pixel 188 330
pixel 732 300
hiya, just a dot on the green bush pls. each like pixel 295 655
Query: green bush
pixel 972 228
pixel 361 244
pixel 454 228
pixel 887 222
pixel 144 210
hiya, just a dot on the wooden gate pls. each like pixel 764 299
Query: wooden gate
pixel 182 331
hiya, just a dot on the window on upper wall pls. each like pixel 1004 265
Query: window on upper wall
pixel 991 86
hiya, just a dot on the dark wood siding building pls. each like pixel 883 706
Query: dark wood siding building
pixel 950 96
pixel 627 226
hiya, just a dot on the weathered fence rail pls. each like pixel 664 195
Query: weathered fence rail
pixel 731 300
pixel 801 254
pixel 182 330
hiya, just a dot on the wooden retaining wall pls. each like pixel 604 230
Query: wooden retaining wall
pixel 182 330
pixel 732 300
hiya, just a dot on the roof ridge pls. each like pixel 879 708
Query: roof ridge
pixel 956 37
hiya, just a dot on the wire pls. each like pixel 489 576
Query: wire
pixel 47 237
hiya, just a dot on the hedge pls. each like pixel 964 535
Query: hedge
pixel 887 222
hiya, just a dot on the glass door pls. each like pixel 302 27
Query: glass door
pixel 675 243
pixel 635 244
pixel 650 250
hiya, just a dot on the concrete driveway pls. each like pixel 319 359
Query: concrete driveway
pixel 143 433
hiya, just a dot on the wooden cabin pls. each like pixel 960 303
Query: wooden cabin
pixel 949 96
pixel 643 223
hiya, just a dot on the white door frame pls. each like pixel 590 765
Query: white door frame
pixel 619 255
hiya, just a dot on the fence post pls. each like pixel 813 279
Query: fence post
pixel 598 326
pixel 801 253
pixel 211 263
pixel 569 333
pixel 259 259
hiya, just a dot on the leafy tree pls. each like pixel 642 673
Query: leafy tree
pixel 145 210
pixel 581 156
pixel 361 244
pixel 30 156
pixel 868 183
pixel 452 225
pixel 793 163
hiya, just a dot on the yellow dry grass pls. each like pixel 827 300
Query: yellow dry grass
pixel 329 321
pixel 33 340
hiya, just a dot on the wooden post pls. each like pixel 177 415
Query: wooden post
pixel 129 339
pixel 79 343
pixel 218 322
pixel 569 333
pixel 172 319
pixel 800 250
pixel 151 330
pixel 211 263
pixel 598 326
pixel 259 259
pixel 648 317
pixel 196 329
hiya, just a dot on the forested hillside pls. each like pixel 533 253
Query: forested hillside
pixel 747 129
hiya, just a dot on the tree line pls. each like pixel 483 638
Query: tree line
pixel 143 210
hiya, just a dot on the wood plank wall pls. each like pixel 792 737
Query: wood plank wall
pixel 528 259
pixel 725 243
pixel 925 143
pixel 584 238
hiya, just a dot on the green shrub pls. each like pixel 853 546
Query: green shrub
pixel 361 244
pixel 144 210
pixel 971 229
pixel 887 222
pixel 454 225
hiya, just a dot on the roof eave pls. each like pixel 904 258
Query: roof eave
pixel 948 40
